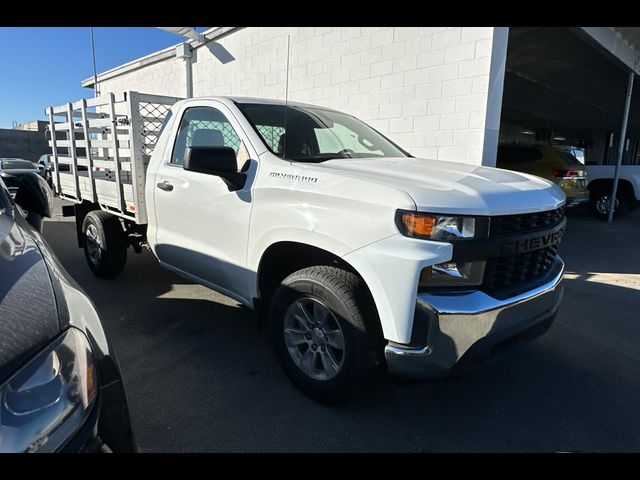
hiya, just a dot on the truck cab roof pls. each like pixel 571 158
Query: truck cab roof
pixel 264 101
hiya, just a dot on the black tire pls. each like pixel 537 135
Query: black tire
pixel 347 298
pixel 112 244
pixel 599 195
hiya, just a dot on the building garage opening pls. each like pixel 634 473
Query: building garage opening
pixel 561 88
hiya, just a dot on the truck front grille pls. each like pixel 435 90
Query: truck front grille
pixel 510 273
pixel 508 224
pixel 504 274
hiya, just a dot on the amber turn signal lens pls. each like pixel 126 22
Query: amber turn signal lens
pixel 418 224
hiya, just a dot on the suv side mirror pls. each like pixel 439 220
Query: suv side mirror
pixel 35 197
pixel 219 161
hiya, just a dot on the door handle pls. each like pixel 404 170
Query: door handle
pixel 166 186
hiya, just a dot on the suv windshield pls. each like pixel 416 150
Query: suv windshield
pixel 314 134
pixel 13 163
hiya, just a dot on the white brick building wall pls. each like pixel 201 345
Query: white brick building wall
pixel 165 78
pixel 436 91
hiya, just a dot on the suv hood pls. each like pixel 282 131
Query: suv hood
pixel 28 309
pixel 18 171
pixel 450 187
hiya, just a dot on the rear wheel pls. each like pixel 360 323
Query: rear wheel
pixel 600 201
pixel 105 244
pixel 325 331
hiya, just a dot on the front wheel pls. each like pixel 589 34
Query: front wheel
pixel 105 244
pixel 326 333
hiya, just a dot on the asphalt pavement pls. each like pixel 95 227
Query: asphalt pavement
pixel 201 378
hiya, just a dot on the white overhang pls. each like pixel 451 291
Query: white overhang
pixel 155 57
pixel 622 42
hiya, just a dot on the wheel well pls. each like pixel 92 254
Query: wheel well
pixel 625 188
pixel 284 258
pixel 135 234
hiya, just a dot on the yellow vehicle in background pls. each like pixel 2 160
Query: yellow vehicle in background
pixel 555 163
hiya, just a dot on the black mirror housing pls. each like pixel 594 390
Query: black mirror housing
pixel 218 161
pixel 35 196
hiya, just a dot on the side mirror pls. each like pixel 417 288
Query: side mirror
pixel 219 161
pixel 35 197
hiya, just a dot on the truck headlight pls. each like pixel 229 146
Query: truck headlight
pixel 441 228
pixel 49 398
pixel 452 274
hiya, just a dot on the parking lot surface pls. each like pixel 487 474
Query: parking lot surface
pixel 200 377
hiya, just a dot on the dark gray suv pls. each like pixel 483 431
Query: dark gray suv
pixel 60 385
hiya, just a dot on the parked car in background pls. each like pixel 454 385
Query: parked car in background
pixel 45 161
pixel 46 164
pixel 13 169
pixel 600 178
pixel 60 386
pixel 557 164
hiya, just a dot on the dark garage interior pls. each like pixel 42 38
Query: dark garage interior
pixel 562 88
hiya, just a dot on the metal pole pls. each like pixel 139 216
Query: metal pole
pixel 286 99
pixel 185 52
pixel 95 74
pixel 189 67
pixel 623 134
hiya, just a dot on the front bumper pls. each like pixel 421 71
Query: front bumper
pixel 107 428
pixel 464 328
pixel 573 200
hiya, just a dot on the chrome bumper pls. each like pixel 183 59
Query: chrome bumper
pixel 576 200
pixel 464 328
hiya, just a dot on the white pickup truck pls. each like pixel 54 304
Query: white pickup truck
pixel 600 181
pixel 358 255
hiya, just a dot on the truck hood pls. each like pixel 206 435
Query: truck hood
pixel 450 187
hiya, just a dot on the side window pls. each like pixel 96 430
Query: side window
pixel 271 135
pixel 203 127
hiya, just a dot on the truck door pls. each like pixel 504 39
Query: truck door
pixel 202 227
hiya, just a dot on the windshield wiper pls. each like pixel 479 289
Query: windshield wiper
pixel 316 159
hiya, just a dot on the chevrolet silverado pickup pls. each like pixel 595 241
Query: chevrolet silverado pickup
pixel 357 255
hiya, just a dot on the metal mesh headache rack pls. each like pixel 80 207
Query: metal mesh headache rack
pixel 101 148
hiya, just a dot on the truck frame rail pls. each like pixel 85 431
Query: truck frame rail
pixel 101 148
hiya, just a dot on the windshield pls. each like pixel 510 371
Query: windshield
pixel 14 163
pixel 315 134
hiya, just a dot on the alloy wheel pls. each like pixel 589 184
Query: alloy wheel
pixel 602 205
pixel 94 247
pixel 314 339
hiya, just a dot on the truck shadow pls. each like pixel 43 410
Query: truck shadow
pixel 200 377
